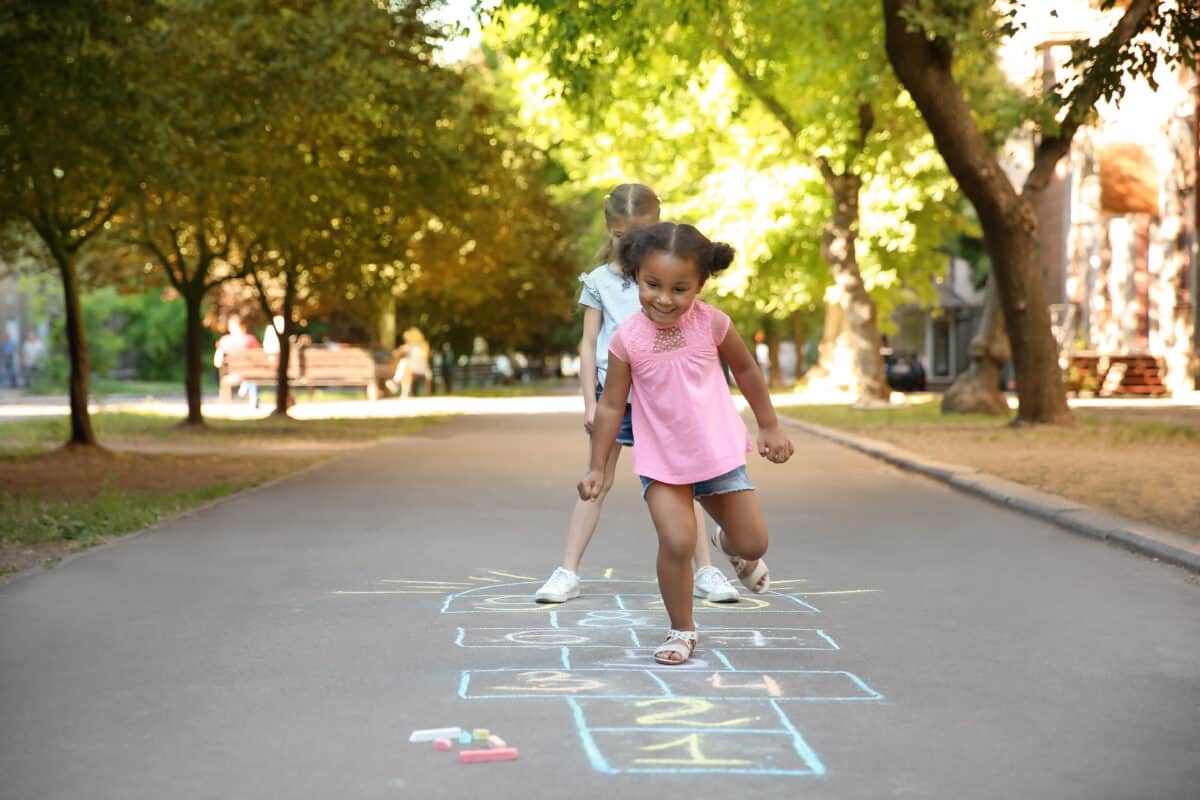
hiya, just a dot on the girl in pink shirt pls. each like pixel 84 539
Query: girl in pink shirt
pixel 689 440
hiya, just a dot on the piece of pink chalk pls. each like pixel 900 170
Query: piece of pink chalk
pixel 498 754
pixel 442 744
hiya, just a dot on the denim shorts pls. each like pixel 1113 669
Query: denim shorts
pixel 735 480
pixel 625 433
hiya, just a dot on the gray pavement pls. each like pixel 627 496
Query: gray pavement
pixel 283 644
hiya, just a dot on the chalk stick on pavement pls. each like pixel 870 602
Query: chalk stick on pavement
pixel 477 756
pixel 464 737
pixel 443 744
pixel 429 734
pixel 481 734
pixel 495 741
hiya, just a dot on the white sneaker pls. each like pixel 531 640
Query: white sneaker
pixel 713 586
pixel 561 586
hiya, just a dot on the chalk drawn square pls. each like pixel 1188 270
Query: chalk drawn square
pixel 673 741
pixel 638 658
pixel 525 604
pixel 545 637
pixel 767 639
pixel 809 685
pixel 568 681
pixel 680 714
pixel 488 684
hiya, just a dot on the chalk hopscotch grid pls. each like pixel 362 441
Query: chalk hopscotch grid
pixel 617 618
pixel 587 737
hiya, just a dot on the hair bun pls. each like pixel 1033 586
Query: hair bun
pixel 722 256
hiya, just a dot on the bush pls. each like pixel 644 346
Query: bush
pixel 142 333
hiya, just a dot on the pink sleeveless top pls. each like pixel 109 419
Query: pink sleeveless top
pixel 685 426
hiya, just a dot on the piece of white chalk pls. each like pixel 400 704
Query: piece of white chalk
pixel 476 756
pixel 496 741
pixel 430 734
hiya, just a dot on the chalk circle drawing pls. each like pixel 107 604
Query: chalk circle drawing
pixel 613 619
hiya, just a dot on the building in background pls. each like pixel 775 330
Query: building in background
pixel 1118 225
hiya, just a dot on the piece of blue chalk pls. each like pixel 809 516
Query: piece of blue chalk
pixel 465 737
pixel 429 734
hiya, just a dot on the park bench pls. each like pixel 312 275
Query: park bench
pixel 309 367
pixel 1115 375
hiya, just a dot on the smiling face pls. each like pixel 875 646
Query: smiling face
pixel 667 286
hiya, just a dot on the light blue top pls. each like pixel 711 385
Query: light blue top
pixel 616 297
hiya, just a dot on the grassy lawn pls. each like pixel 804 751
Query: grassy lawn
pixel 54 501
pixel 1139 464
pixel 538 387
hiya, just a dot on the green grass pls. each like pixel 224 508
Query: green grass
pixel 547 386
pixel 928 416
pixel 915 415
pixel 17 437
pixel 87 522
pixel 108 387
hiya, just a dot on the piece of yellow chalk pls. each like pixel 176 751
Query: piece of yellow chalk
pixel 481 734
pixel 476 756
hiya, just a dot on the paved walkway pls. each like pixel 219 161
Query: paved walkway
pixel 919 643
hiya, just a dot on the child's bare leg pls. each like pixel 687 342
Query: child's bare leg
pixel 703 555
pixel 586 516
pixel 740 518
pixel 671 509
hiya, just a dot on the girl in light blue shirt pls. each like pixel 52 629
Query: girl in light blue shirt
pixel 608 299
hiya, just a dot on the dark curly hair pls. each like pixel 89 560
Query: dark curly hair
pixel 680 240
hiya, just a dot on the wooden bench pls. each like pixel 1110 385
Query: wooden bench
pixel 1115 375
pixel 338 366
pixel 309 367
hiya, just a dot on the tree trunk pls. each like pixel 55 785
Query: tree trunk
pixel 447 367
pixel 799 334
pixel 77 350
pixel 193 357
pixel 282 390
pixel 1008 219
pixel 837 247
pixel 387 324
pixel 833 330
pixel 771 337
pixel 977 391
pixel 1041 391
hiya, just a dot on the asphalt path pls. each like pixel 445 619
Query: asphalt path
pixel 286 642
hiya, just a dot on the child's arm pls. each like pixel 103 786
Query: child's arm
pixel 609 412
pixel 773 443
pixel 592 319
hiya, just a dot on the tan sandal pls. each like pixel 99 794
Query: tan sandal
pixel 679 643
pixel 757 580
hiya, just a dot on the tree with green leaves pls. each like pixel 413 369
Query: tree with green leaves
pixel 815 76
pixel 68 121
pixel 924 45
